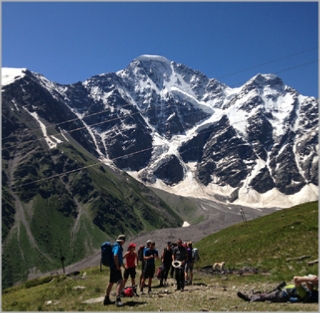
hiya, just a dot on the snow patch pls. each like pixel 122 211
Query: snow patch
pixel 51 143
pixel 185 224
pixel 10 75
pixel 148 57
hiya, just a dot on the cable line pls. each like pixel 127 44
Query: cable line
pixel 235 85
pixel 119 117
pixel 284 70
pixel 249 68
pixel 299 65
pixel 80 168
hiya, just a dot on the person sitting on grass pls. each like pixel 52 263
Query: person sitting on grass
pixel 288 293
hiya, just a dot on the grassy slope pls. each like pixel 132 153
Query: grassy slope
pixel 111 198
pixel 266 243
pixel 185 207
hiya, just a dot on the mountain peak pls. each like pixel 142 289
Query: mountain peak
pixel 266 79
pixel 149 57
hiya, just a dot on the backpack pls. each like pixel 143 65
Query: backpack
pixel 167 256
pixel 140 253
pixel 127 292
pixel 107 254
pixel 158 273
pixel 195 255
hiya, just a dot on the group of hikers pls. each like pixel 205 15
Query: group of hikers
pixel 176 257
pixel 179 258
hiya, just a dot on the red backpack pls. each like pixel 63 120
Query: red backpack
pixel 158 273
pixel 128 292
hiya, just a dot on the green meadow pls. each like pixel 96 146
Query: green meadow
pixel 280 246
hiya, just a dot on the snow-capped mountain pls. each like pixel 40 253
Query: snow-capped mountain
pixel 173 128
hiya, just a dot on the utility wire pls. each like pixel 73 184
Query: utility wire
pixel 99 163
pixel 285 57
pixel 79 169
pixel 299 65
pixel 284 70
pixel 268 62
pixel 124 116
pixel 119 117
pixel 103 111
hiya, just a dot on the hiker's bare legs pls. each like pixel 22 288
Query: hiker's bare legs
pixel 108 290
pixel 120 286
pixel 142 283
pixel 311 281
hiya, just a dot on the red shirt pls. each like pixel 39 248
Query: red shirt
pixel 131 258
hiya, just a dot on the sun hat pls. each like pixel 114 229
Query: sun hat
pixel 176 264
pixel 132 245
pixel 148 241
pixel 121 238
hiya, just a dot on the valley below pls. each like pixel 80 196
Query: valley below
pixel 217 216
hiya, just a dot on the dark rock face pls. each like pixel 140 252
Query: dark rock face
pixel 262 182
pixel 261 136
pixel 171 171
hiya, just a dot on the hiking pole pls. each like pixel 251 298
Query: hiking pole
pixel 62 258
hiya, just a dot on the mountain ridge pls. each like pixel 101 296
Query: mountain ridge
pixel 78 159
pixel 147 102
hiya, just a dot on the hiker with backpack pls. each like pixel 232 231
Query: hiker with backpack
pixel 288 293
pixel 132 261
pixel 150 255
pixel 179 259
pixel 189 264
pixel 115 271
pixel 166 259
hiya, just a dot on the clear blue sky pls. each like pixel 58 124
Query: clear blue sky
pixel 230 41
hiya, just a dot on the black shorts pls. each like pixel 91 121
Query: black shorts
pixel 115 276
pixel 129 271
pixel 143 263
pixel 149 270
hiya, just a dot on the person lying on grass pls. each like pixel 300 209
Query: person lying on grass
pixel 304 289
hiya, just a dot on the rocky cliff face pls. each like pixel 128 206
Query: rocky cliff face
pixel 170 126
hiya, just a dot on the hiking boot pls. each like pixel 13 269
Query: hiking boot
pixel 281 285
pixel 149 290
pixel 190 282
pixel 243 296
pixel 106 300
pixel 118 302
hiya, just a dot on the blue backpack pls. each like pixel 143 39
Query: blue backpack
pixel 107 254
